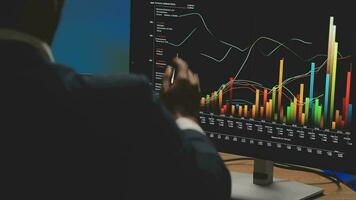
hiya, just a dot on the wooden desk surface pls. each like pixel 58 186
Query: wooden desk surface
pixel 331 191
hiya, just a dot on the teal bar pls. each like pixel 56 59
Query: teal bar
pixel 326 97
pixel 350 113
pixel 311 89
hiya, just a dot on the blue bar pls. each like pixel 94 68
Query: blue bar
pixel 350 113
pixel 311 93
pixel 326 97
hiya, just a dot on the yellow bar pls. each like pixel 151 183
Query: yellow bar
pixel 220 98
pixel 333 125
pixel 262 110
pixel 303 119
pixel 330 45
pixel 257 103
pixel 300 103
pixel 280 86
pixel 233 108
pixel 270 108
pixel 295 109
pixel 333 82
pixel 332 58
pixel 240 111
pixel 254 111
pixel 246 111
pixel 274 103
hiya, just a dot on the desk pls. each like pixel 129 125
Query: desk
pixel 331 191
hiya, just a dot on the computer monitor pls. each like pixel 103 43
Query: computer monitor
pixel 276 77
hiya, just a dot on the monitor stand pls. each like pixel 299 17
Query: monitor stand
pixel 261 185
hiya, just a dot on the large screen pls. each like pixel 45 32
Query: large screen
pixel 276 79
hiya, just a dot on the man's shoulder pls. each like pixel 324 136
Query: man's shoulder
pixel 115 81
pixel 104 83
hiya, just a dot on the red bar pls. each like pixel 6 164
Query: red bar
pixel 344 105
pixel 347 102
pixel 265 98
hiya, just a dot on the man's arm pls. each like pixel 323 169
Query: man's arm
pixel 181 97
pixel 162 159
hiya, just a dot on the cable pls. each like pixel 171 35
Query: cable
pixel 237 159
pixel 333 178
pixel 330 177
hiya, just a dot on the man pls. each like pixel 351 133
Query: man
pixel 149 154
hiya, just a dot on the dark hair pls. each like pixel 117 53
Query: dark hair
pixel 11 12
pixel 31 16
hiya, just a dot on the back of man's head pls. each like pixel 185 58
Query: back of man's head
pixel 36 17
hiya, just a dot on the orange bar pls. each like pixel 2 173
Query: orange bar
pixel 333 125
pixel 254 111
pixel 233 109
pixel 262 110
pixel 270 108
pixel 246 111
pixel 265 96
pixel 303 119
pixel 220 98
pixel 267 110
pixel 300 103
pixel 322 121
pixel 280 85
pixel 257 103
pixel 281 115
pixel 202 102
pixel 240 111
pixel 337 118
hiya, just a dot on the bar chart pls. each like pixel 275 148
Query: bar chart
pixel 273 81
pixel 276 104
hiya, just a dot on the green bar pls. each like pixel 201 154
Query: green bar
pixel 316 113
pixel 292 111
pixel 333 83
pixel 216 96
pixel 289 114
pixel 275 117
pixel 207 102
pixel 307 102
pixel 273 101
pixel 319 115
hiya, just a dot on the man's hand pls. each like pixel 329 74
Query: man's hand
pixel 182 97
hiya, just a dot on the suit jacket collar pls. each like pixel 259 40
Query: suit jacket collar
pixel 42 47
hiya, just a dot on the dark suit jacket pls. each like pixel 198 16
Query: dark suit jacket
pixel 140 154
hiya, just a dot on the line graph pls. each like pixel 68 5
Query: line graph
pixel 186 38
pixel 250 48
